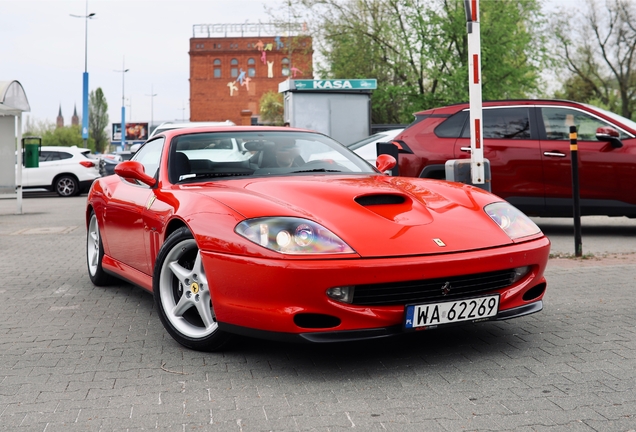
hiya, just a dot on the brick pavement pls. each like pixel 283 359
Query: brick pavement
pixel 74 357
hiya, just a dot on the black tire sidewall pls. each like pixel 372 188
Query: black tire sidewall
pixel 100 278
pixel 212 342
pixel 76 190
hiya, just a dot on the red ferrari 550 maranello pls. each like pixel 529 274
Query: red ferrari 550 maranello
pixel 255 231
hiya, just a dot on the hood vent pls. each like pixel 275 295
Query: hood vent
pixel 382 199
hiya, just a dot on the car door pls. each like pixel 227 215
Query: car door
pixel 48 167
pixel 512 146
pixel 125 215
pixel 602 168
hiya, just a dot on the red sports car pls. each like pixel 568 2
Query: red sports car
pixel 246 230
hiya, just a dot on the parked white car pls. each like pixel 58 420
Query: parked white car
pixel 68 171
pixel 366 148
pixel 176 125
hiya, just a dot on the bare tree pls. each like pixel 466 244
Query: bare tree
pixel 417 49
pixel 598 47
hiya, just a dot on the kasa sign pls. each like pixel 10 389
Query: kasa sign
pixel 338 84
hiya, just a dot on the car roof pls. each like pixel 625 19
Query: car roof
pixel 180 125
pixel 191 130
pixel 66 148
pixel 503 102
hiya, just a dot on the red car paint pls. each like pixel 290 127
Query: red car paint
pixel 427 230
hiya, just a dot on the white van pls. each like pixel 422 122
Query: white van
pixel 176 125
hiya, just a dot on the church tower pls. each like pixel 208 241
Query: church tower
pixel 60 119
pixel 75 118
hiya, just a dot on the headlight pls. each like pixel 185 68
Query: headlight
pixel 292 236
pixel 512 221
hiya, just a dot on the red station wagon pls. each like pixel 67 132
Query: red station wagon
pixel 527 144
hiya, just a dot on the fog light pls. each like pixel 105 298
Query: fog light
pixel 341 294
pixel 520 272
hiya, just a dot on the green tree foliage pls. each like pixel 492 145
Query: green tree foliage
pixel 98 120
pixel 64 136
pixel 51 135
pixel 418 49
pixel 271 108
pixel 597 49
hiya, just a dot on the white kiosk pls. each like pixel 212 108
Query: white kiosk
pixel 339 108
pixel 13 102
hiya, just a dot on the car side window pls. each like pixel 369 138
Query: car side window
pixel 506 123
pixel 149 155
pixel 557 123
pixel 453 126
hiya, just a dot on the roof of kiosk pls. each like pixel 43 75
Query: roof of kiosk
pixel 13 100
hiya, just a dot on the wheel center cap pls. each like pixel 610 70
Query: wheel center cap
pixel 194 287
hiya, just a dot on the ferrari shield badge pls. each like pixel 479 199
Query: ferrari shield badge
pixel 439 242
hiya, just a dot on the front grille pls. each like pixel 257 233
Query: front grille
pixel 430 290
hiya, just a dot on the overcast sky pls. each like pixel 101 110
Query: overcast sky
pixel 42 47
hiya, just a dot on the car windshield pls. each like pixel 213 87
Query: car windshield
pixel 260 153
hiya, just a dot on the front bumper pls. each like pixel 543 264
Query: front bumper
pixel 255 295
pixel 357 335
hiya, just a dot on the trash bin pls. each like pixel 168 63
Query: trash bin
pixel 31 147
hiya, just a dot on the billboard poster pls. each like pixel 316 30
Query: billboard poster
pixel 134 132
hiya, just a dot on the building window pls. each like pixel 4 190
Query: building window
pixel 285 66
pixel 234 68
pixel 217 68
pixel 251 70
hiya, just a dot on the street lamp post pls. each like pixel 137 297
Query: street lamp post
pixel 85 76
pixel 123 105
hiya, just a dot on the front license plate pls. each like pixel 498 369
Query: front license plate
pixel 434 314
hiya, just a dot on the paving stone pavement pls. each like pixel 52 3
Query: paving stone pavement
pixel 74 357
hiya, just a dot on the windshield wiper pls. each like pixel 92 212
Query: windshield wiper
pixel 315 170
pixel 212 175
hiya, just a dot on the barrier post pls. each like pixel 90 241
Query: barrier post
pixel 474 91
pixel 574 150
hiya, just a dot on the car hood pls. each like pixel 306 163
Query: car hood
pixel 377 216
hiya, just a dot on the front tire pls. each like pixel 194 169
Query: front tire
pixel 67 186
pixel 182 294
pixel 95 254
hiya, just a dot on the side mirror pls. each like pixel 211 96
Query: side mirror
pixel 134 170
pixel 609 134
pixel 385 162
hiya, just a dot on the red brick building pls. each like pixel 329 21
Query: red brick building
pixel 228 75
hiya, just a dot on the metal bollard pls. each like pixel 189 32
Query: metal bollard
pixel 574 150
